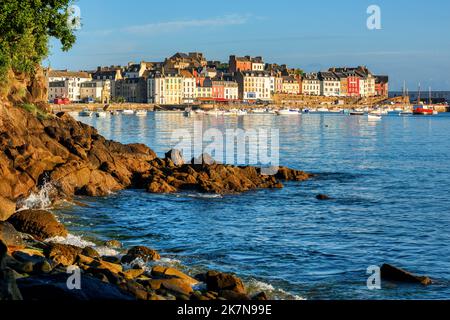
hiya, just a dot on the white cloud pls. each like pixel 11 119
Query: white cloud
pixel 172 26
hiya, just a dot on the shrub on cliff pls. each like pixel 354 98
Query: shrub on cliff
pixel 26 27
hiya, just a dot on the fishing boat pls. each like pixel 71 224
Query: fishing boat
pixel 286 112
pixel 85 113
pixel 356 113
pixel 128 112
pixel 141 113
pixel 373 117
pixel 422 109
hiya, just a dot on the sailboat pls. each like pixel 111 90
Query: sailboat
pixel 422 109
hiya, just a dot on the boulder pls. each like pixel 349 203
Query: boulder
pixel 113 244
pixel 10 236
pixel 7 208
pixel 217 281
pixel 322 197
pixel 40 224
pixel 53 287
pixel 391 273
pixel 176 156
pixel 140 252
pixel 63 254
pixel 166 272
pixel 90 252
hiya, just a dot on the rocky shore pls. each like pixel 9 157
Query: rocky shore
pixel 39 148
pixel 35 268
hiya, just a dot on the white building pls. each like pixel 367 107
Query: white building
pixel 66 84
pixel 311 84
pixel 254 85
pixel 330 85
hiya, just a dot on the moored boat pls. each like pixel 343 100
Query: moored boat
pixel 141 113
pixel 422 110
pixel 286 112
pixel 128 112
pixel 373 117
pixel 85 113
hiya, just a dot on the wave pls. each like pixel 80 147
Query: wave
pixel 78 241
pixel 255 286
pixel 203 196
pixel 38 201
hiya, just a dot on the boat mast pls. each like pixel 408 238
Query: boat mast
pixel 429 97
pixel 418 96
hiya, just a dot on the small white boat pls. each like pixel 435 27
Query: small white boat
pixel 373 117
pixel 286 112
pixel 241 113
pixel 113 112
pixel 258 111
pixel 435 113
pixel 101 114
pixel 85 113
pixel 141 113
pixel 128 111
pixel 323 110
pixel 200 111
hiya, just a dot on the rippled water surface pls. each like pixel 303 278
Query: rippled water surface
pixel 390 184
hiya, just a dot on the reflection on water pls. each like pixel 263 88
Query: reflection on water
pixel 389 181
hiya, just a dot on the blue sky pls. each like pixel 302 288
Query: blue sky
pixel 413 44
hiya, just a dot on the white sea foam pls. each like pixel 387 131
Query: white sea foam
pixel 40 200
pixel 204 195
pixel 254 287
pixel 78 241
pixel 72 240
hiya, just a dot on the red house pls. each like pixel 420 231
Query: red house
pixel 382 86
pixel 353 85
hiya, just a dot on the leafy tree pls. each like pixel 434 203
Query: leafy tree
pixel 25 29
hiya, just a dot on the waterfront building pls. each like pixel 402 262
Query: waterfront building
pixel 188 86
pixel 204 92
pixel 222 90
pixel 167 87
pixel 290 85
pixel 66 84
pixel 96 91
pixel 133 90
pixel 330 84
pixel 311 84
pixel 382 86
pixel 254 85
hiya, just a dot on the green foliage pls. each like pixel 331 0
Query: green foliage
pixel 31 108
pixel 26 26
